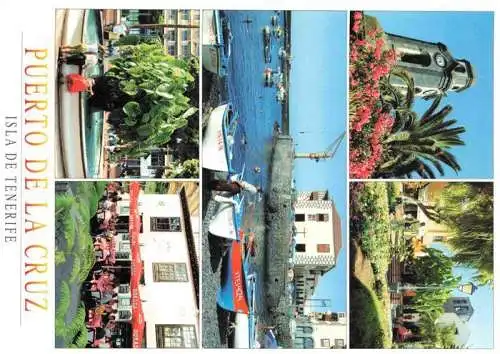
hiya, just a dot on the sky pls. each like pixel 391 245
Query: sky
pixel 481 322
pixel 468 35
pixel 318 109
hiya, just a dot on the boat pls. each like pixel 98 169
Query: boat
pixel 268 77
pixel 278 31
pixel 275 20
pixel 218 145
pixel 216 42
pixel 280 94
pixel 267 43
pixel 218 139
pixel 282 53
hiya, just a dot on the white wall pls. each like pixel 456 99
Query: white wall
pixel 165 302
pixel 329 331
pixel 312 233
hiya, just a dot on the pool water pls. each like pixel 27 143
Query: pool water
pixel 93 121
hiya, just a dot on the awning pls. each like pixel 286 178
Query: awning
pixel 136 267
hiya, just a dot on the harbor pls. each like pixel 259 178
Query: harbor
pixel 255 118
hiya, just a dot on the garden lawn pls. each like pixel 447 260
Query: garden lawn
pixel 74 258
pixel 368 323
pixel 370 258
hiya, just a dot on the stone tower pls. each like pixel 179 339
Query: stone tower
pixel 433 68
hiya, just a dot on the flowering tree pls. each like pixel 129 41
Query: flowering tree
pixel 387 138
pixel 368 116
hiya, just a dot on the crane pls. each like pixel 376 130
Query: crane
pixel 324 155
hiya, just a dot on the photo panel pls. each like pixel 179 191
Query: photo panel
pixel 274 179
pixel 127 93
pixel 421 265
pixel 421 95
pixel 127 264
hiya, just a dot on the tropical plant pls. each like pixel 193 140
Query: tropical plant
pixel 387 137
pixel 158 82
pixel 415 145
pixel 467 208
pixel 435 269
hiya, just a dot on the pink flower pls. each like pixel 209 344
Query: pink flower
pixel 356 26
pixel 357 15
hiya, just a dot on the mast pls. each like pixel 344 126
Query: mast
pixel 325 155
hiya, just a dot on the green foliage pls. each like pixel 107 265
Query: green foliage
pixel 186 169
pixel 64 203
pixel 373 214
pixel 433 269
pixel 60 257
pixel 63 306
pixel 159 82
pixel 435 335
pixel 467 208
pixel 393 193
pixel 368 323
pixel 419 145
pixel 134 39
pixel 75 270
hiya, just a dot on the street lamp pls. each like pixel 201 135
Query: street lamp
pixel 467 288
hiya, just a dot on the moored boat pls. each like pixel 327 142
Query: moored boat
pixel 216 42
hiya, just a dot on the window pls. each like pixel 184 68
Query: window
pixel 157 159
pixel 124 236
pixel 304 330
pixel 308 343
pixel 124 289
pixel 185 35
pixel 323 248
pixel 124 315
pixel 124 209
pixel 325 343
pixel 300 247
pixel 311 217
pixel 422 59
pixel 173 15
pixel 300 217
pixel 460 69
pixel 175 336
pixel 322 217
pixel 172 50
pixel 185 14
pixel 124 301
pixel 171 35
pixel 170 272
pixel 339 343
pixel 122 255
pixel 172 224
pixel 186 52
pixel 124 246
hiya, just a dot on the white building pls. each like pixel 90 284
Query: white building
pixel 317 243
pixel 462 330
pixel 170 286
pixel 321 330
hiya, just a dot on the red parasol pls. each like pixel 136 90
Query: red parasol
pixel 136 267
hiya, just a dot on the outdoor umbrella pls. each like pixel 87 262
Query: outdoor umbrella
pixel 136 268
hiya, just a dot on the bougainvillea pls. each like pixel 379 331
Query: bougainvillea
pixel 369 61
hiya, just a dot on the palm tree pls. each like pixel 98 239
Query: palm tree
pixel 417 145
